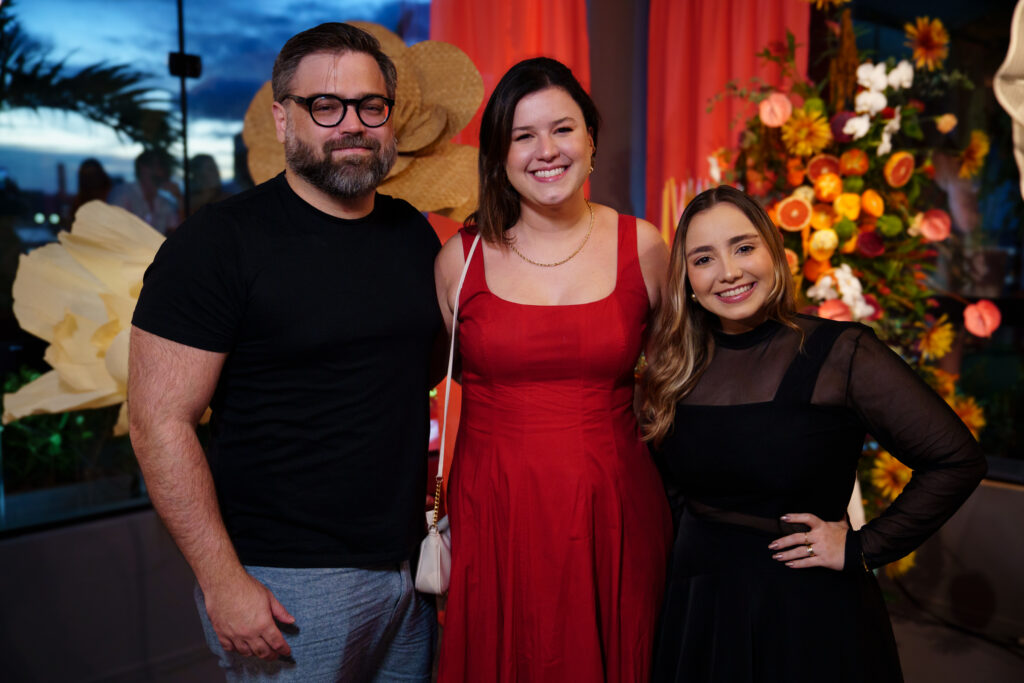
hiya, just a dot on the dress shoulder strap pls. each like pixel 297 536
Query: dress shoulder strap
pixel 628 266
pixel 797 385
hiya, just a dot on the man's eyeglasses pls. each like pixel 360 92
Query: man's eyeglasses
pixel 329 110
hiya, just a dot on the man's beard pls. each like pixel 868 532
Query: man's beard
pixel 348 178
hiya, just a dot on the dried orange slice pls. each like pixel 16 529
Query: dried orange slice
pixel 872 204
pixel 820 165
pixel 828 186
pixel 853 162
pixel 794 213
pixel 898 169
pixel 822 216
pixel 793 261
pixel 813 269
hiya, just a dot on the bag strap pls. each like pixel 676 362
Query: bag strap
pixel 448 393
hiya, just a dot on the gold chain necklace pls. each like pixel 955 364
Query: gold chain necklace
pixel 570 256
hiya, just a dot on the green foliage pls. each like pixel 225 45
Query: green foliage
pixel 109 94
pixel 49 450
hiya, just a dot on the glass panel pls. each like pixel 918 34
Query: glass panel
pixel 68 465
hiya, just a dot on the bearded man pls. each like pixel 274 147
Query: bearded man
pixel 303 313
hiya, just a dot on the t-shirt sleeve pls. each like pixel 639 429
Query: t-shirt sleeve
pixel 917 427
pixel 193 293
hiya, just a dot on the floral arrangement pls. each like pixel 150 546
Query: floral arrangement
pixel 844 170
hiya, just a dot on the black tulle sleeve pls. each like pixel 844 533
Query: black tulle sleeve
pixel 916 426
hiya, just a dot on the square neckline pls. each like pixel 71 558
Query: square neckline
pixel 607 297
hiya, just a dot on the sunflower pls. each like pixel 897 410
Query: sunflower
pixel 889 475
pixel 900 567
pixel 930 42
pixel 936 339
pixel 969 411
pixel 973 157
pixel 806 133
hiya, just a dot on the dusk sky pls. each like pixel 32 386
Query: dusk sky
pixel 236 39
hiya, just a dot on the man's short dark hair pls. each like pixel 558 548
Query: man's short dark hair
pixel 332 37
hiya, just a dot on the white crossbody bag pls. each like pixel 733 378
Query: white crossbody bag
pixel 435 566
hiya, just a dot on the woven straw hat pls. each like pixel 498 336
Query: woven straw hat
pixel 438 92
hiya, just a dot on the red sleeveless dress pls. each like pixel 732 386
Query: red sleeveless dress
pixel 560 524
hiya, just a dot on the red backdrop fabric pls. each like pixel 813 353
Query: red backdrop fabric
pixel 695 47
pixel 497 34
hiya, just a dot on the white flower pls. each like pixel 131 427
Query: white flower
pixel 885 146
pixel 870 101
pixel 714 170
pixel 850 291
pixel 872 76
pixel 902 76
pixel 857 126
pixel 823 289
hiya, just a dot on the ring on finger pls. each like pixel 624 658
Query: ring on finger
pixel 807 541
pixel 810 551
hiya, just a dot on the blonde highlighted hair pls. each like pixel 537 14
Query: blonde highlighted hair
pixel 682 345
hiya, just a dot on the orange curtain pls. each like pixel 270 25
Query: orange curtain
pixel 496 34
pixel 695 47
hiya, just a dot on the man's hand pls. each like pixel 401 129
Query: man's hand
pixel 243 613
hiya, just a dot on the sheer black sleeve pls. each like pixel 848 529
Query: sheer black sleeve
pixel 916 426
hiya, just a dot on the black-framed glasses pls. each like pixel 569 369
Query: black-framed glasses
pixel 329 110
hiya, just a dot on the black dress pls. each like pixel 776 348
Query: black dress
pixel 766 431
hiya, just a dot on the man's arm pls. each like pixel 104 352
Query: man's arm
pixel 169 387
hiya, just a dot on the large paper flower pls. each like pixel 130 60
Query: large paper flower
pixel 79 294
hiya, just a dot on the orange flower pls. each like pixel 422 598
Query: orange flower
pixel 936 339
pixel 835 309
pixel 889 475
pixel 945 123
pixel 775 110
pixel 900 567
pixel 969 411
pixel 973 157
pixel 795 171
pixel 806 133
pixel 982 318
pixel 930 42
pixel 945 382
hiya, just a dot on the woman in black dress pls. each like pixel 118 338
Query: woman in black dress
pixel 758 416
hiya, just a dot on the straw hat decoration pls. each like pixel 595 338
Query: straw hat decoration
pixel 439 90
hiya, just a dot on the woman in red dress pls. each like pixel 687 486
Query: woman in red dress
pixel 560 524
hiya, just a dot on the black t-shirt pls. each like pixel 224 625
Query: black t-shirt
pixel 320 422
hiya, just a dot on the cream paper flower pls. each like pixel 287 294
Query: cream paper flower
pixel 79 294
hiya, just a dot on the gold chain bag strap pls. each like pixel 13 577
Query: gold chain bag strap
pixel 435 566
